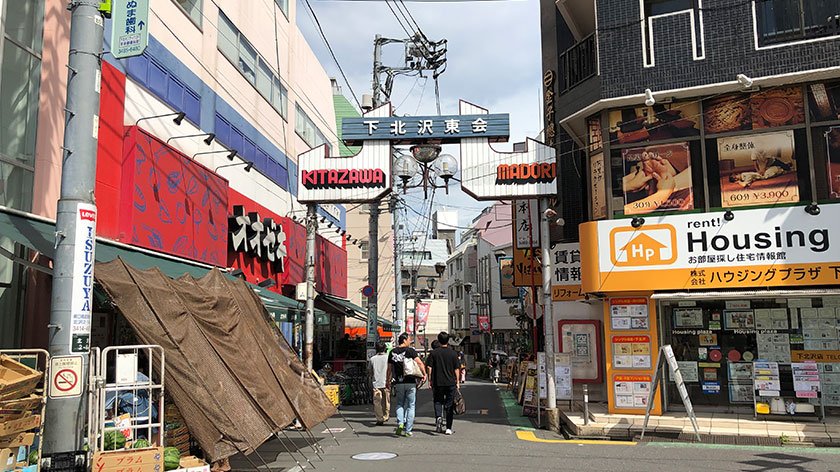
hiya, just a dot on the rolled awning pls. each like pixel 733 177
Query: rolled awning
pixel 231 373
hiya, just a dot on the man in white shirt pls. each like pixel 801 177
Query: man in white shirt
pixel 379 376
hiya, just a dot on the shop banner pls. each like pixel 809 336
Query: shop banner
pixel 565 272
pixel 421 314
pixel 758 248
pixel 661 121
pixel 507 289
pixel 657 178
pixel 484 323
pixel 758 169
pixel 81 298
pixel 832 138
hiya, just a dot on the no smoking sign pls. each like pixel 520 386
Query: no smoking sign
pixel 65 376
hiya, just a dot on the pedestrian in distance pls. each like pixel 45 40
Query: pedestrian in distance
pixel 406 369
pixel 381 381
pixel 444 372
pixel 462 362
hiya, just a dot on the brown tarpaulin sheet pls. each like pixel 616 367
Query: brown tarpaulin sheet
pixel 229 370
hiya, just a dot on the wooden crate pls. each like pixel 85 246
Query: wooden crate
pixel 16 380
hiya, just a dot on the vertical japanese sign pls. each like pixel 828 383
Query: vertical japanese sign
pixel 81 300
pixel 129 27
pixel 566 275
pixel 526 224
pixel 484 323
pixel 549 79
pixel 598 186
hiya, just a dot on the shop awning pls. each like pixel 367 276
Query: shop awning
pixel 388 326
pixel 229 370
pixel 341 305
pixel 283 308
pixel 758 293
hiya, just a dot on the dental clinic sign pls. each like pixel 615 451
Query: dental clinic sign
pixel 81 300
pixel 757 248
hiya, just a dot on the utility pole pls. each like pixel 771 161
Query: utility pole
pixel 399 306
pixel 552 418
pixel 373 220
pixel 309 322
pixel 75 228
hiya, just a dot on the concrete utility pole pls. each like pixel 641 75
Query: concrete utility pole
pixel 309 323
pixel 548 317
pixel 75 228
pixel 399 306
pixel 373 219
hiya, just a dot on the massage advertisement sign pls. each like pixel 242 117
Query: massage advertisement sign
pixel 758 169
pixel 758 248
pixel 657 178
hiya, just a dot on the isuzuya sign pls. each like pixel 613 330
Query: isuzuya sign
pixel 757 248
pixel 486 174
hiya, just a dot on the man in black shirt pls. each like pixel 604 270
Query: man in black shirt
pixel 444 378
pixel 405 385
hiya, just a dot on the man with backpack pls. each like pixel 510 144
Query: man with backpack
pixel 444 378
pixel 406 370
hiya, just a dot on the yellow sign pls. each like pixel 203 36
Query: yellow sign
pixel 768 247
pixel 815 356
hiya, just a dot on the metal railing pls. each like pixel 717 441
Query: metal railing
pixel 578 63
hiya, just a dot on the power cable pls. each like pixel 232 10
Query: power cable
pixel 332 53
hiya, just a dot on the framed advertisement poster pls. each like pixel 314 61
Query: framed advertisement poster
pixel 507 290
pixel 582 340
pixel 832 138
pixel 657 178
pixel 758 169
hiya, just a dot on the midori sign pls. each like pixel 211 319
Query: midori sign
pixel 757 248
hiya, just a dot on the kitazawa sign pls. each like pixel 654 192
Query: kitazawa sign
pixel 757 248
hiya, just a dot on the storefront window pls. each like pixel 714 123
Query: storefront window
pixel 717 341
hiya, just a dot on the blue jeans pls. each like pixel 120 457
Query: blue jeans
pixel 406 400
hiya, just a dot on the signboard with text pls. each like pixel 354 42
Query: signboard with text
pixel 129 27
pixel 413 129
pixel 81 299
pixel 757 248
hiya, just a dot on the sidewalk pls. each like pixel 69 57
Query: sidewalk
pixel 723 428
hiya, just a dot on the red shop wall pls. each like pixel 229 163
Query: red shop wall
pixel 170 203
pixel 150 195
pixel 330 260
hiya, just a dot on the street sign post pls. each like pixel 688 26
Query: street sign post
pixel 129 27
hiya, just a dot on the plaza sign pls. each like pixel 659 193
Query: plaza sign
pixel 414 129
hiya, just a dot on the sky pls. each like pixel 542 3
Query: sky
pixel 493 61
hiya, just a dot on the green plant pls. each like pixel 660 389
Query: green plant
pixel 784 439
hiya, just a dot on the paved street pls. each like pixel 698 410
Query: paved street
pixel 485 440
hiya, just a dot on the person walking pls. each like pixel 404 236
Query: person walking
pixel 444 372
pixel 462 363
pixel 381 384
pixel 405 384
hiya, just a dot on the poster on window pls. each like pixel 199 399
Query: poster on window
pixel 658 122
pixel 832 138
pixel 508 290
pixel 657 178
pixel 760 110
pixel 825 101
pixel 758 169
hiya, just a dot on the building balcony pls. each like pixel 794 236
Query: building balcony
pixel 578 83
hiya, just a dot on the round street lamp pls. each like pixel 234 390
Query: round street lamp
pixel 427 162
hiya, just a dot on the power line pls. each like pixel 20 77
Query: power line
pixel 332 53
